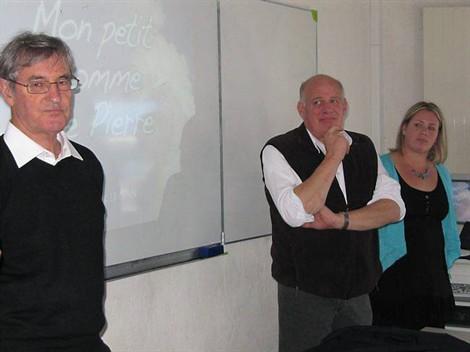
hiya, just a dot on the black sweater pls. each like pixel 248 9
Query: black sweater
pixel 51 237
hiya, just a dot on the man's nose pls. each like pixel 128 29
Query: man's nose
pixel 328 106
pixel 54 93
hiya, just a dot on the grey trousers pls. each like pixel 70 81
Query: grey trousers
pixel 305 319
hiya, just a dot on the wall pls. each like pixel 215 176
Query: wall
pixel 446 56
pixel 225 303
pixel 229 303
pixel 402 52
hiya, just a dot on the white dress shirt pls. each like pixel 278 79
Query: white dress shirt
pixel 24 149
pixel 281 179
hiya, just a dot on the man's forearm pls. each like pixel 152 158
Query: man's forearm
pixel 314 190
pixel 374 215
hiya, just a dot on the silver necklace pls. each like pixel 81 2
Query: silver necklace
pixel 422 175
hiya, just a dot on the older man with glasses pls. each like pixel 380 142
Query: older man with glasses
pixel 51 209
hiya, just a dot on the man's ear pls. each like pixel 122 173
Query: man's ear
pixel 6 91
pixel 301 108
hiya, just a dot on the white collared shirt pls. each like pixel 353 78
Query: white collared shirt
pixel 24 149
pixel 281 179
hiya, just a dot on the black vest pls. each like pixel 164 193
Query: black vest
pixel 328 263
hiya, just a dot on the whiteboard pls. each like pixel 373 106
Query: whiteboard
pixel 177 98
pixel 148 107
pixel 267 51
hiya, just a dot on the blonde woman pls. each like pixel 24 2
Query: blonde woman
pixel 416 253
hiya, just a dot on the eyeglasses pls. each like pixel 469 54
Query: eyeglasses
pixel 41 86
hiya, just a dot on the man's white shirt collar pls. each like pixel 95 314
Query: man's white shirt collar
pixel 320 146
pixel 24 149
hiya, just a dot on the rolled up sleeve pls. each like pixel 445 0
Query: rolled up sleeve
pixel 387 188
pixel 280 180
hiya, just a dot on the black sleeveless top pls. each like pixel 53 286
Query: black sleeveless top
pixel 416 291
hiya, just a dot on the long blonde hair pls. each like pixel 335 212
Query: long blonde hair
pixel 438 153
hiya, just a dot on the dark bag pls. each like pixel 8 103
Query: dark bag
pixel 385 339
